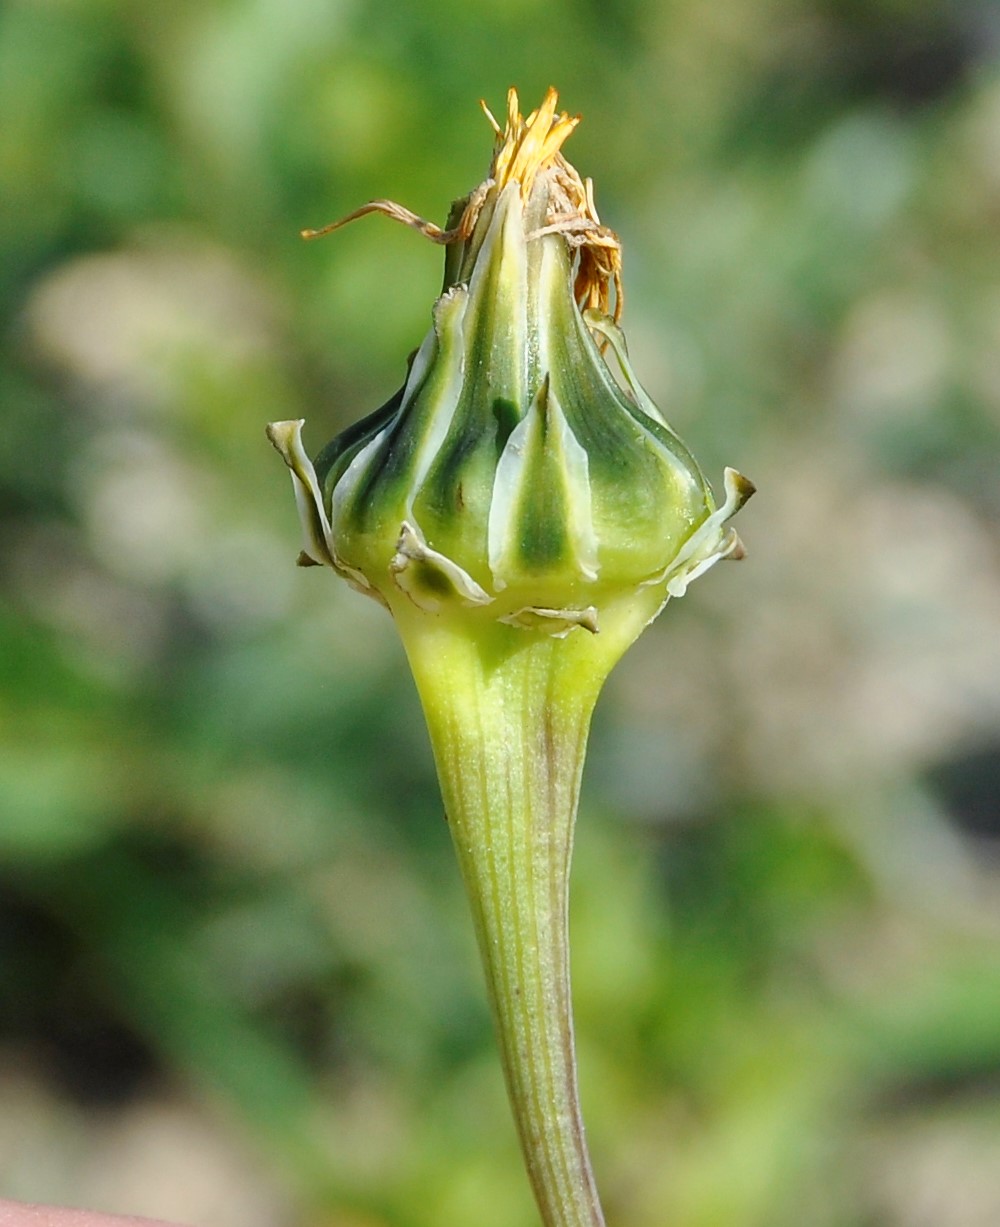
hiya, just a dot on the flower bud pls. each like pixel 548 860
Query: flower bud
pixel 521 473
pixel 519 491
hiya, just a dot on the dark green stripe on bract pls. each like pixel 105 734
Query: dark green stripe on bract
pixel 431 580
pixel 541 514
pixel 383 491
pixel 540 520
pixel 334 459
pixel 506 415
pixel 452 503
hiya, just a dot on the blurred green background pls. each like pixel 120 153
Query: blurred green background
pixel 238 986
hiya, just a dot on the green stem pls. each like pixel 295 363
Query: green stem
pixel 508 713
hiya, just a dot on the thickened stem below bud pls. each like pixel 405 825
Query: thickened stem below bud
pixel 508 716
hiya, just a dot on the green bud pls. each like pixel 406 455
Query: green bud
pixel 521 473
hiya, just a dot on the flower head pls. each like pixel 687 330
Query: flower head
pixel 521 474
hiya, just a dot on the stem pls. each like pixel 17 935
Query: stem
pixel 508 713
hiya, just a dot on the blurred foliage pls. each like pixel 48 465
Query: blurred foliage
pixel 237 981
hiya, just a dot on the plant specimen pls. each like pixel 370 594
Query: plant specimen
pixel 523 510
